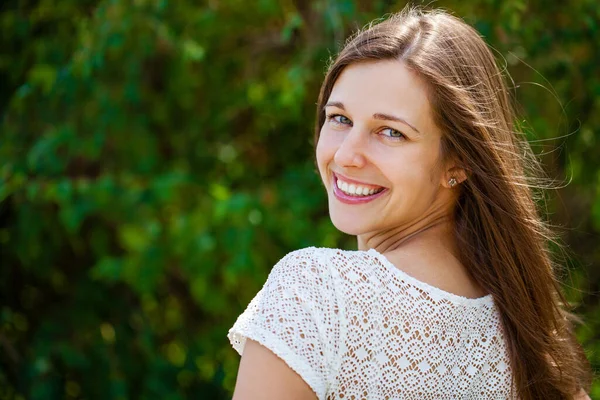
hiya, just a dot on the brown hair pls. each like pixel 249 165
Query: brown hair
pixel 503 240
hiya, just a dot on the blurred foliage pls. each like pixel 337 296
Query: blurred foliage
pixel 156 161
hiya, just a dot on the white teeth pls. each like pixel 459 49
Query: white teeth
pixel 356 190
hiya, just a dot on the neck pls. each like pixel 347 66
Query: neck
pixel 438 229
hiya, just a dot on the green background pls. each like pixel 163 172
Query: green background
pixel 156 161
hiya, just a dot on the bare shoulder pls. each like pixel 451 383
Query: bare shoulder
pixel 263 375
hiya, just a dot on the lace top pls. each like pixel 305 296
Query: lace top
pixel 354 326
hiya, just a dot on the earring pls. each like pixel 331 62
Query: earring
pixel 452 182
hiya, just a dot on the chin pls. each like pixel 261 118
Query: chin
pixel 349 224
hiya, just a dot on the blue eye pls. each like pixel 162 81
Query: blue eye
pixel 339 119
pixel 393 134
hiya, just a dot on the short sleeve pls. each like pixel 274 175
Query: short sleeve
pixel 295 315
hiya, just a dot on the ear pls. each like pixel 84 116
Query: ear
pixel 458 173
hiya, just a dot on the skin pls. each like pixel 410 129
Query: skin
pixel 262 375
pixel 410 224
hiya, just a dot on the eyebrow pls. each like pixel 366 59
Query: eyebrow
pixel 384 117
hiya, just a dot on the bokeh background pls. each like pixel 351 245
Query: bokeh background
pixel 156 161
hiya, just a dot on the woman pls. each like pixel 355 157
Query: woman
pixel 451 294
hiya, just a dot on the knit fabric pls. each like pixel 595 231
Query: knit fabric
pixel 354 326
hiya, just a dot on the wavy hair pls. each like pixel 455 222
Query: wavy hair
pixel 503 240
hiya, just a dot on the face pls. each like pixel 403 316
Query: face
pixel 379 150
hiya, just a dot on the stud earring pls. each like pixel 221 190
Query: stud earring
pixel 452 182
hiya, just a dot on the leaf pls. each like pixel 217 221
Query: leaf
pixel 192 50
pixel 108 269
pixel 44 76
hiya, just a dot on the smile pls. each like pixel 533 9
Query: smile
pixel 352 192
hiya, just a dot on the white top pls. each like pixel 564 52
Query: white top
pixel 354 326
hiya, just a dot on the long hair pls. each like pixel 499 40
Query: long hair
pixel 503 240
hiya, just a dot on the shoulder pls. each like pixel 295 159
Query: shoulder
pixel 315 261
pixel 294 317
pixel 313 256
pixel 330 276
pixel 324 257
pixel 308 272
pixel 321 263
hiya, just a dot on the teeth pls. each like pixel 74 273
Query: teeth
pixel 356 190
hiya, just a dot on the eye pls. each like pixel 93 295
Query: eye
pixel 339 119
pixel 392 134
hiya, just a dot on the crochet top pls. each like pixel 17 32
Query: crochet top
pixel 354 326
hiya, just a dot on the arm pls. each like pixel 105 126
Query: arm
pixel 262 375
pixel 287 335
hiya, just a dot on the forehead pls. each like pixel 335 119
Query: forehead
pixel 386 87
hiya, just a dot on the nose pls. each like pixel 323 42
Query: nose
pixel 351 152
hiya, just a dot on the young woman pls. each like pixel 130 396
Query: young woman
pixel 451 294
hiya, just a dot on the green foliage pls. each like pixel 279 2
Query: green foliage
pixel 156 161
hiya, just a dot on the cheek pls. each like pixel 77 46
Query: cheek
pixel 437 168
pixel 411 169
pixel 326 149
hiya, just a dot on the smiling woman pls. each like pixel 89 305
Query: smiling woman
pixel 451 293
pixel 367 141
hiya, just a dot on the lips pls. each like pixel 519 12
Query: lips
pixel 350 191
